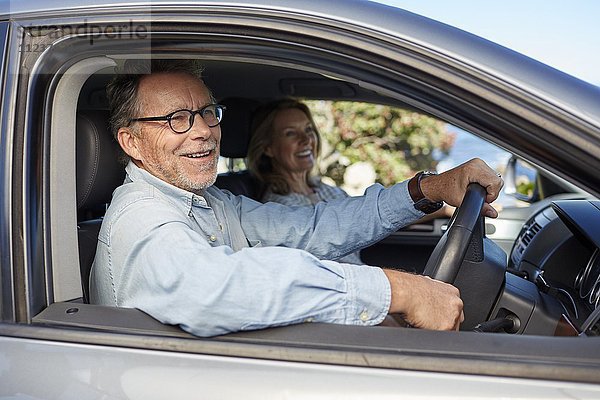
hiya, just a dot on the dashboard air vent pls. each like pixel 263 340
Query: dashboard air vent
pixel 530 233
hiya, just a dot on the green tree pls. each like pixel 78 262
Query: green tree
pixel 397 142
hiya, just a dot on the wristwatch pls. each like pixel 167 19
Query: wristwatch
pixel 422 203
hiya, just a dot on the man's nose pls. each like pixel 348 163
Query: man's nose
pixel 199 129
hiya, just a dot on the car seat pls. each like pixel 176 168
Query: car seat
pixel 235 137
pixel 98 174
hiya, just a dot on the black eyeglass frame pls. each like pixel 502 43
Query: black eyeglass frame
pixel 193 113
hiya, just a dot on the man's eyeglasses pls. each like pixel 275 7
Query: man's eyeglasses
pixel 182 121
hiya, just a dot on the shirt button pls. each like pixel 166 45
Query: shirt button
pixel 212 238
pixel 364 316
pixel 196 200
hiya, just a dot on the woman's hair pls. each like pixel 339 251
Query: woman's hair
pixel 259 164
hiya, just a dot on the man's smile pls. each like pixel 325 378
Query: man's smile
pixel 198 155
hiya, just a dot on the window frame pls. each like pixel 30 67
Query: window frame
pixel 419 350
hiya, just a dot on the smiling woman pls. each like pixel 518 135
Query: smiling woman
pixel 282 154
pixel 283 149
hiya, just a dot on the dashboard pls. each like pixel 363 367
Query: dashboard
pixel 559 250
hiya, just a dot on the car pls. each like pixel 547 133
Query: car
pixel 530 280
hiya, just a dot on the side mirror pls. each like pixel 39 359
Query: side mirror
pixel 520 180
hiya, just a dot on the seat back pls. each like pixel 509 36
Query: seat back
pixel 235 138
pixel 235 127
pixel 241 183
pixel 98 174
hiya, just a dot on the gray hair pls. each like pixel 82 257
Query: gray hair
pixel 122 91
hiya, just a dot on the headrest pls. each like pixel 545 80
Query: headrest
pixel 235 128
pixel 99 171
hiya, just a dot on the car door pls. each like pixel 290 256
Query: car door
pixel 54 345
pixel 6 308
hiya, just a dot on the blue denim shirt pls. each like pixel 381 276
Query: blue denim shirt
pixel 220 263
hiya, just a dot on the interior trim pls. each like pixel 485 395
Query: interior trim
pixel 66 282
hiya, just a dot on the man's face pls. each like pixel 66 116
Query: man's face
pixel 186 160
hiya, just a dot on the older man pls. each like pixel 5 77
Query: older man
pixel 189 254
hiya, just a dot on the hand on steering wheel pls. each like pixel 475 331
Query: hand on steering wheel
pixel 447 257
pixel 430 303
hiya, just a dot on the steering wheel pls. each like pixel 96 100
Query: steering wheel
pixel 467 259
pixel 447 257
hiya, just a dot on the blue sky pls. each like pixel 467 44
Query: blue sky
pixel 562 33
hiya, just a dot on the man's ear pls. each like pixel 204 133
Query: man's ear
pixel 129 142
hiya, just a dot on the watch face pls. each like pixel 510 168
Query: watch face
pixel 428 206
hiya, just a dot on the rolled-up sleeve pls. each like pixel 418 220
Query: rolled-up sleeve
pixel 212 290
pixel 330 230
pixel 368 295
pixel 153 255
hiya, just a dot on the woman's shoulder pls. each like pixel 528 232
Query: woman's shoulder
pixel 290 199
pixel 329 192
pixel 324 192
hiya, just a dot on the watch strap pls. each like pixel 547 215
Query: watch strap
pixel 421 202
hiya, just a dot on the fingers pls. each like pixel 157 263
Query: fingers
pixel 451 185
pixel 460 321
pixel 486 177
pixel 424 302
pixel 478 171
pixel 493 188
pixel 489 211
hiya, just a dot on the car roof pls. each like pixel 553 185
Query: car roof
pixel 388 23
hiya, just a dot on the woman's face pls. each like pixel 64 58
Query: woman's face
pixel 294 143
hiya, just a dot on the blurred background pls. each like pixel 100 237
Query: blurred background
pixel 367 143
pixel 372 143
